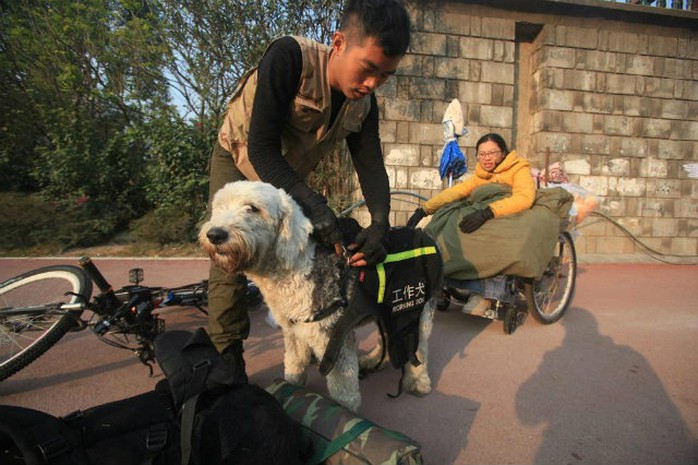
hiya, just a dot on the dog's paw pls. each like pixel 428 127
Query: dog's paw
pixel 418 386
pixel 348 400
pixel 296 379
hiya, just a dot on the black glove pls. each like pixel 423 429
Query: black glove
pixel 474 220
pixel 322 217
pixel 416 217
pixel 370 242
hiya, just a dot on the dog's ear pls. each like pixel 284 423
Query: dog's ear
pixel 294 229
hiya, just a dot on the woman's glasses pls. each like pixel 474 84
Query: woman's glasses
pixel 490 154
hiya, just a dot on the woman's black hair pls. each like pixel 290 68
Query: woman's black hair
pixel 497 139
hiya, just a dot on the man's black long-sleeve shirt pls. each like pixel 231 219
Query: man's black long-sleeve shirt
pixel 278 80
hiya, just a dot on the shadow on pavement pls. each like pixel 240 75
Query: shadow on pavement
pixel 17 385
pixel 629 416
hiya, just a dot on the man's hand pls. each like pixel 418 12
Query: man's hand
pixel 474 220
pixel 416 217
pixel 322 217
pixel 368 246
pixel 325 225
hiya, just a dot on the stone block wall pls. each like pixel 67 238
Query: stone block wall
pixel 615 101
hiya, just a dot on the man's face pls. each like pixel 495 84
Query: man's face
pixel 359 68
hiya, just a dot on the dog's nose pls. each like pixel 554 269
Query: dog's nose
pixel 217 235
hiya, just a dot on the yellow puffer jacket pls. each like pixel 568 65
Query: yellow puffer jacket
pixel 514 171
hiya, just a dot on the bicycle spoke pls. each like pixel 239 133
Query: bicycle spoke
pixel 31 319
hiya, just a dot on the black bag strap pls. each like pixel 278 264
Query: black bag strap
pixel 192 365
pixel 197 386
pixel 155 442
pixel 187 428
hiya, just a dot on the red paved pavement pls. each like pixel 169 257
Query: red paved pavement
pixel 613 383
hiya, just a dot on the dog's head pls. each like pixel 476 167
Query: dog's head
pixel 252 224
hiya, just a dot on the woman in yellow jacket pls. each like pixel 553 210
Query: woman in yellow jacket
pixel 495 164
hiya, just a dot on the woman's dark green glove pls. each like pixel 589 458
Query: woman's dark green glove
pixel 474 220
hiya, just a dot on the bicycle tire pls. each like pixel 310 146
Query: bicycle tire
pixel 546 299
pixel 24 337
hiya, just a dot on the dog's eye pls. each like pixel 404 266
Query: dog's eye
pixel 252 209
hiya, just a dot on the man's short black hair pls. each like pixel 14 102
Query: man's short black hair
pixel 386 20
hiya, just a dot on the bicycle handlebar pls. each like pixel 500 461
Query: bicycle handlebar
pixel 111 300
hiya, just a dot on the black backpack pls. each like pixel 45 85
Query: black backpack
pixel 198 415
pixel 223 422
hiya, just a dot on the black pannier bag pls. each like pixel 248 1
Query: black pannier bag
pixel 197 415
pixel 138 430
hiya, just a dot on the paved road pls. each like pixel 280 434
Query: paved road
pixel 615 382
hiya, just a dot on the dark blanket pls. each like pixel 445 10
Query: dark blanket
pixel 520 244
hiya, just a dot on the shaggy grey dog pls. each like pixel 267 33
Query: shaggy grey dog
pixel 259 230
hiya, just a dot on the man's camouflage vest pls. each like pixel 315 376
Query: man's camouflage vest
pixel 306 137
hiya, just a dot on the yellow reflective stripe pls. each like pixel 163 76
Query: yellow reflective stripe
pixel 381 281
pixel 396 257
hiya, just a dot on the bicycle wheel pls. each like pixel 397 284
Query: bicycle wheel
pixel 31 320
pixel 549 297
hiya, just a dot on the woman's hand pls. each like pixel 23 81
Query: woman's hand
pixel 474 220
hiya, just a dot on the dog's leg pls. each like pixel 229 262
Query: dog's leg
pixel 416 380
pixel 297 357
pixel 372 360
pixel 343 380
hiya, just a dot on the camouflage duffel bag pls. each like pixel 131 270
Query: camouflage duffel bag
pixel 339 436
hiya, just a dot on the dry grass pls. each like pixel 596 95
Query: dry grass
pixel 112 250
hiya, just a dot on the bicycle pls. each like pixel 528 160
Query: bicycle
pixel 39 307
pixel 546 299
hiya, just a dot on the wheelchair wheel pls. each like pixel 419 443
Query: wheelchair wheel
pixel 549 297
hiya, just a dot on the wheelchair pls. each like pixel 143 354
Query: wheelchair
pixel 546 299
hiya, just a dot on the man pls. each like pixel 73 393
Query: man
pixel 288 113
